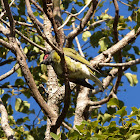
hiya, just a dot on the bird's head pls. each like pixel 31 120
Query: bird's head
pixel 47 59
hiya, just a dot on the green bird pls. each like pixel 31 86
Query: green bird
pixel 78 67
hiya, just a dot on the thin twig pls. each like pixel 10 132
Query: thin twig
pixel 37 6
pixel 24 37
pixel 4 12
pixel 103 101
pixel 83 23
pixel 66 126
pixel 2 77
pixel 78 43
pixel 7 61
pixel 23 23
pixel 74 15
pixel 95 23
pixel 130 63
pixel 128 4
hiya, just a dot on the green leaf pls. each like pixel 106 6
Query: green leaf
pixel 1 91
pixel 136 49
pixel 122 112
pixel 112 102
pixel 22 106
pixel 134 68
pixel 73 134
pixel 30 137
pixel 22 120
pixel 134 109
pixel 5 98
pixel 25 50
pixel 19 72
pixel 95 38
pixel 54 136
pixel 9 110
pixel 36 49
pixel 134 137
pixel 86 1
pixel 103 42
pixel 106 117
pixel 19 82
pixel 132 78
pixel 86 35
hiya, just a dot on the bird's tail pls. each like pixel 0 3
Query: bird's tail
pixel 97 81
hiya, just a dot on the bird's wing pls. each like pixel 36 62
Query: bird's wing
pixel 97 82
pixel 75 56
pixel 82 82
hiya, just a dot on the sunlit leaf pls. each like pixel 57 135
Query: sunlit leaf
pixel 21 106
pixel 103 42
pixel 132 78
pixel 122 112
pixel 134 137
pixel 86 35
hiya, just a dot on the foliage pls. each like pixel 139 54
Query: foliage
pixel 105 126
pixel 25 116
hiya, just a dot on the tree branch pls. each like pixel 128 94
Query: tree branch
pixel 7 61
pixel 20 34
pixel 116 20
pixel 2 77
pixel 37 6
pixel 131 36
pixel 4 122
pixel 115 24
pixel 74 15
pixel 83 23
pixel 77 42
pixel 130 63
pixel 27 74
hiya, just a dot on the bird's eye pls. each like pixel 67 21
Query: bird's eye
pixel 45 57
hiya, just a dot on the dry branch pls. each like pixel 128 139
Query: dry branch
pixel 2 77
pixel 131 36
pixel 83 23
pixel 4 122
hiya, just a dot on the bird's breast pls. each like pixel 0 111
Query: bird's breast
pixel 76 69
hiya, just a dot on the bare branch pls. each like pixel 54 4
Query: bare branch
pixel 7 61
pixel 74 15
pixel 37 6
pixel 2 77
pixel 58 35
pixel 23 23
pixel 116 20
pixel 10 17
pixel 55 23
pixel 95 23
pixel 127 4
pixel 5 44
pixel 131 36
pixel 83 23
pixel 115 24
pixel 27 74
pixel 77 41
pixel 103 101
pixel 3 13
pixel 66 126
pixel 4 122
pixel 130 63
pixel 20 34
pixel 81 107
pixel 31 15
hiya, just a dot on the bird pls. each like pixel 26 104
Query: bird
pixel 78 67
